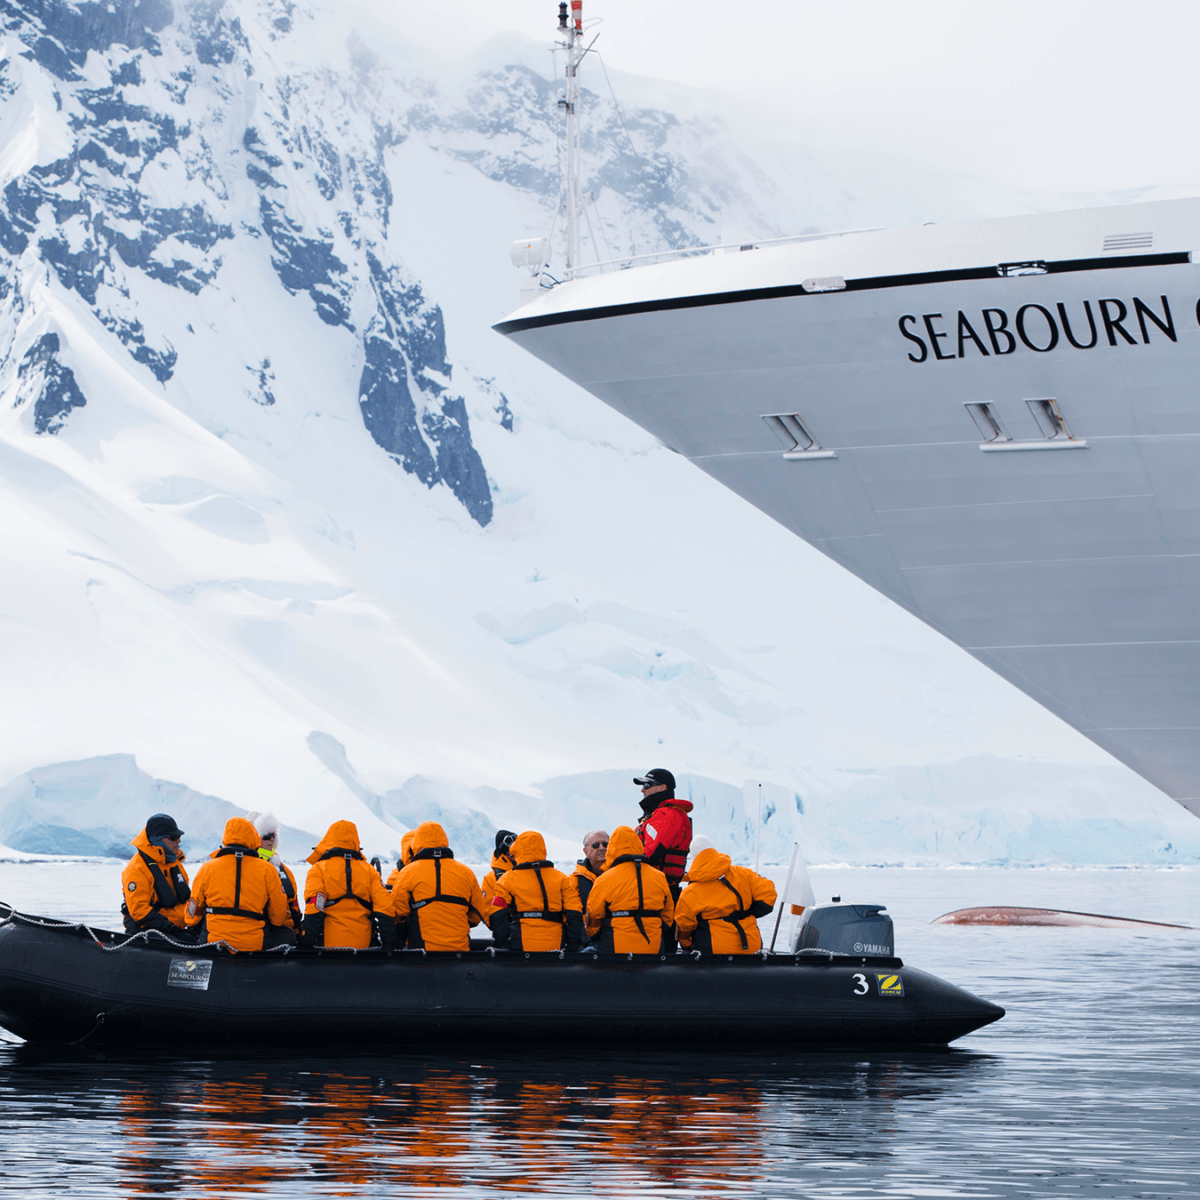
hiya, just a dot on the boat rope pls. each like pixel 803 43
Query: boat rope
pixel 650 191
pixel 143 935
pixel 99 1021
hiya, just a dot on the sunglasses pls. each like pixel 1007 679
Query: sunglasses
pixel 598 845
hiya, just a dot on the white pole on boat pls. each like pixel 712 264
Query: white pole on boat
pixel 758 828
pixel 787 892
pixel 572 29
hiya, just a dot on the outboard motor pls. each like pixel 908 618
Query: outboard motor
pixel 847 929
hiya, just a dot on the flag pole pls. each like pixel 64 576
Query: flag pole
pixel 786 897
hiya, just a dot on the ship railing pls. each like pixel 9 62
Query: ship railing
pixel 660 256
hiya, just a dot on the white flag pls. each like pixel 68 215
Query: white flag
pixel 802 895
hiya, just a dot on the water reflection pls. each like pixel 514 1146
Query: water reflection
pixel 255 1124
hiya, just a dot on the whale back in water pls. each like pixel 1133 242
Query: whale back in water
pixel 1007 915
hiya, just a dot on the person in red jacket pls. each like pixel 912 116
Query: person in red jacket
pixel 666 829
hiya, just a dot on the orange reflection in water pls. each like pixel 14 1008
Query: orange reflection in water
pixel 289 1131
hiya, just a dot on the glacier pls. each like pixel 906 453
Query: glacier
pixel 282 519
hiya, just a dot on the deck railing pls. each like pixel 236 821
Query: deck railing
pixel 632 260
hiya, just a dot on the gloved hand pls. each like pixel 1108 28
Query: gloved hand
pixel 312 930
pixel 385 927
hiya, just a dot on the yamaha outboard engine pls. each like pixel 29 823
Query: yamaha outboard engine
pixel 847 929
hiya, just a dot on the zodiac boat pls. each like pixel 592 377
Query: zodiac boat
pixel 64 983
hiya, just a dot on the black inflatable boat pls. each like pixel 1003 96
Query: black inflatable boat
pixel 71 983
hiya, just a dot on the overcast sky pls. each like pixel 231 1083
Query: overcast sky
pixel 1055 95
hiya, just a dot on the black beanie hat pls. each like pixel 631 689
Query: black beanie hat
pixel 504 840
pixel 162 826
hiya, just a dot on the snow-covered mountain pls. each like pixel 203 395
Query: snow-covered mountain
pixel 282 518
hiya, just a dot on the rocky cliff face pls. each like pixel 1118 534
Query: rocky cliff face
pixel 148 144
pixel 151 144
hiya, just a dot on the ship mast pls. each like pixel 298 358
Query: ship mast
pixel 571 31
pixel 534 253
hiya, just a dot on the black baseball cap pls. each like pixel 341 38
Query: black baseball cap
pixel 162 826
pixel 655 777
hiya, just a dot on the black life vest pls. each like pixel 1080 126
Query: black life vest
pixel 285 880
pixel 349 894
pixel 416 940
pixel 235 909
pixel 556 916
pixel 606 932
pixel 584 882
pixel 702 938
pixel 170 888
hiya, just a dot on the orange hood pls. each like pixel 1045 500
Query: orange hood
pixel 240 832
pixel 529 847
pixel 623 841
pixel 708 865
pixel 142 842
pixel 406 847
pixel 429 835
pixel 341 835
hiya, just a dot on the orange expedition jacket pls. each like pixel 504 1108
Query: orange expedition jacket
pixel 500 864
pixel 343 893
pixel 405 859
pixel 582 879
pixel 153 891
pixel 718 911
pixel 629 907
pixel 535 906
pixel 436 900
pixel 236 894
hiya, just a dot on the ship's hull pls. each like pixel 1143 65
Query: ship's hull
pixel 1070 565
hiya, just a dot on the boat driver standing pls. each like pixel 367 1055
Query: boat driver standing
pixel 666 829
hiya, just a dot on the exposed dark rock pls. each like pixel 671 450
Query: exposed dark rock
pixel 51 384
pixel 264 377
pixel 389 412
pixel 306 264
pixel 216 40
pixel 458 461
pixel 60 34
pixel 406 340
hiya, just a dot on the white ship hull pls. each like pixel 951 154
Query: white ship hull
pixel 1070 564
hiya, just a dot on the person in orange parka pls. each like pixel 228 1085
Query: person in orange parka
pixel 502 861
pixel 436 900
pixel 535 906
pixel 403 861
pixel 154 884
pixel 236 894
pixel 267 825
pixel 344 898
pixel 719 909
pixel 630 906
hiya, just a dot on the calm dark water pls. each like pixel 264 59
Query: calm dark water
pixel 1090 1087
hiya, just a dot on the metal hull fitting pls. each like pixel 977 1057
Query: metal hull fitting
pixel 1052 534
pixel 59 985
